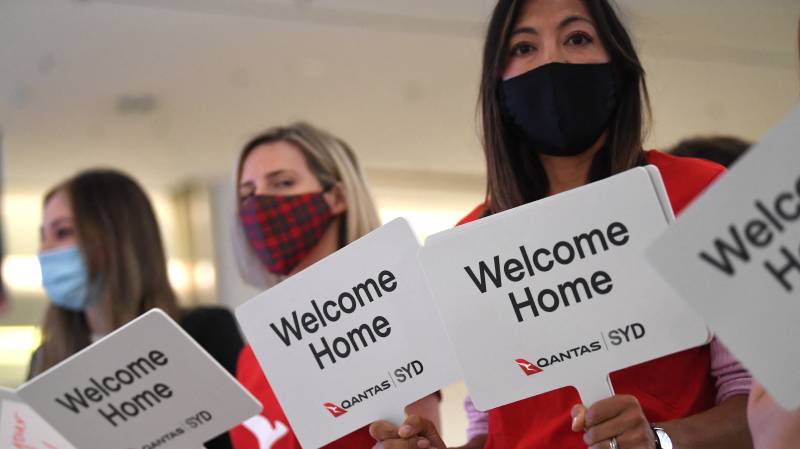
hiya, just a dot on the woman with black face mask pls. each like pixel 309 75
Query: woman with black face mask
pixel 563 102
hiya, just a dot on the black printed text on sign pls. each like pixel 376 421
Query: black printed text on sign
pixel 147 384
pixel 557 293
pixel 735 256
pixel 352 339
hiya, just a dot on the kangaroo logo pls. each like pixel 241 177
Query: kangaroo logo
pixel 266 434
pixel 335 410
pixel 528 368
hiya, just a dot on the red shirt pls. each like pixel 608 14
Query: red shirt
pixel 270 429
pixel 668 388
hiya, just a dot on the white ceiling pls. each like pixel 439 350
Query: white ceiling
pixel 396 78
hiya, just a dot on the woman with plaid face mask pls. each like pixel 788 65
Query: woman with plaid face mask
pixel 301 196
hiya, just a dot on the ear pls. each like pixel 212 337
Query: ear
pixel 336 199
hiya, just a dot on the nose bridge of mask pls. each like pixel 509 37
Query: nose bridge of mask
pixel 592 99
pixel 557 101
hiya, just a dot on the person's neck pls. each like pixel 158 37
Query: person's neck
pixel 97 320
pixel 328 244
pixel 565 173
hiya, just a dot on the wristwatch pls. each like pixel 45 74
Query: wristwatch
pixel 662 439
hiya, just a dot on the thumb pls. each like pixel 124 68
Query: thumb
pixel 418 426
pixel 578 418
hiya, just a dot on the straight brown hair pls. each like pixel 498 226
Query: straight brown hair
pixel 121 244
pixel 515 175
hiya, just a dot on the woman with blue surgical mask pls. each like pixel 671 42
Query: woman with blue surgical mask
pixel 103 265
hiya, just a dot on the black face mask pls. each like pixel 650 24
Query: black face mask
pixel 561 109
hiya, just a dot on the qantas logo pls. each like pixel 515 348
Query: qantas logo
pixel 528 368
pixel 335 410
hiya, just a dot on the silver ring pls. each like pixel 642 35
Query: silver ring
pixel 614 444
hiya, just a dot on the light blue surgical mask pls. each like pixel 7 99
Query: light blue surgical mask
pixel 66 279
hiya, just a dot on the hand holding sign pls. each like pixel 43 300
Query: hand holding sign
pixel 415 432
pixel 619 418
pixel 352 339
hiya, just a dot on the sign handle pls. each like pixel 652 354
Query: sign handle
pixel 592 392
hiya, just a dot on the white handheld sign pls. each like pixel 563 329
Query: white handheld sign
pixel 147 384
pixel 352 339
pixel 735 256
pixel 23 428
pixel 556 293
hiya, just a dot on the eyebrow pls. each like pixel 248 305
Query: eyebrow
pixel 269 175
pixel 59 221
pixel 275 173
pixel 564 23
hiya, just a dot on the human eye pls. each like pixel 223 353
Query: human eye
pixel 579 39
pixel 521 49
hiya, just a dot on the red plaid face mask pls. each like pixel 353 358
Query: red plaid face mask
pixel 283 229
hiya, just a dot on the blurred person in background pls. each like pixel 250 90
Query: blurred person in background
pixel 723 150
pixel 301 197
pixel 103 265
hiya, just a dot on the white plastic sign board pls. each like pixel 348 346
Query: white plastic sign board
pixel 557 292
pixel 147 384
pixel 735 256
pixel 23 428
pixel 352 339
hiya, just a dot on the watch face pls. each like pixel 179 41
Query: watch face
pixel 663 438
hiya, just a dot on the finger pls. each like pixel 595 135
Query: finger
pixel 415 425
pixel 400 443
pixel 610 408
pixel 614 427
pixel 383 430
pixel 632 439
pixel 578 418
pixel 605 444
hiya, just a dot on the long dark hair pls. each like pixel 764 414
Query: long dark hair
pixel 120 241
pixel 516 177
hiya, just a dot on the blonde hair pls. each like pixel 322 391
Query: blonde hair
pixel 332 162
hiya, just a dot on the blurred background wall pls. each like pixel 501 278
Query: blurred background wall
pixel 169 90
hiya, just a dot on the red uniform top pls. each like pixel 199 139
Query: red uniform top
pixel 668 388
pixel 270 429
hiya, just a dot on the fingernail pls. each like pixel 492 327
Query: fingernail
pixel 574 423
pixel 405 431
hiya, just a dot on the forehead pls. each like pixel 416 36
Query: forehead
pixel 550 12
pixel 280 155
pixel 57 206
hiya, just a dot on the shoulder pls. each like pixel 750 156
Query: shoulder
pixel 685 178
pixel 207 316
pixel 215 329
pixel 476 214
